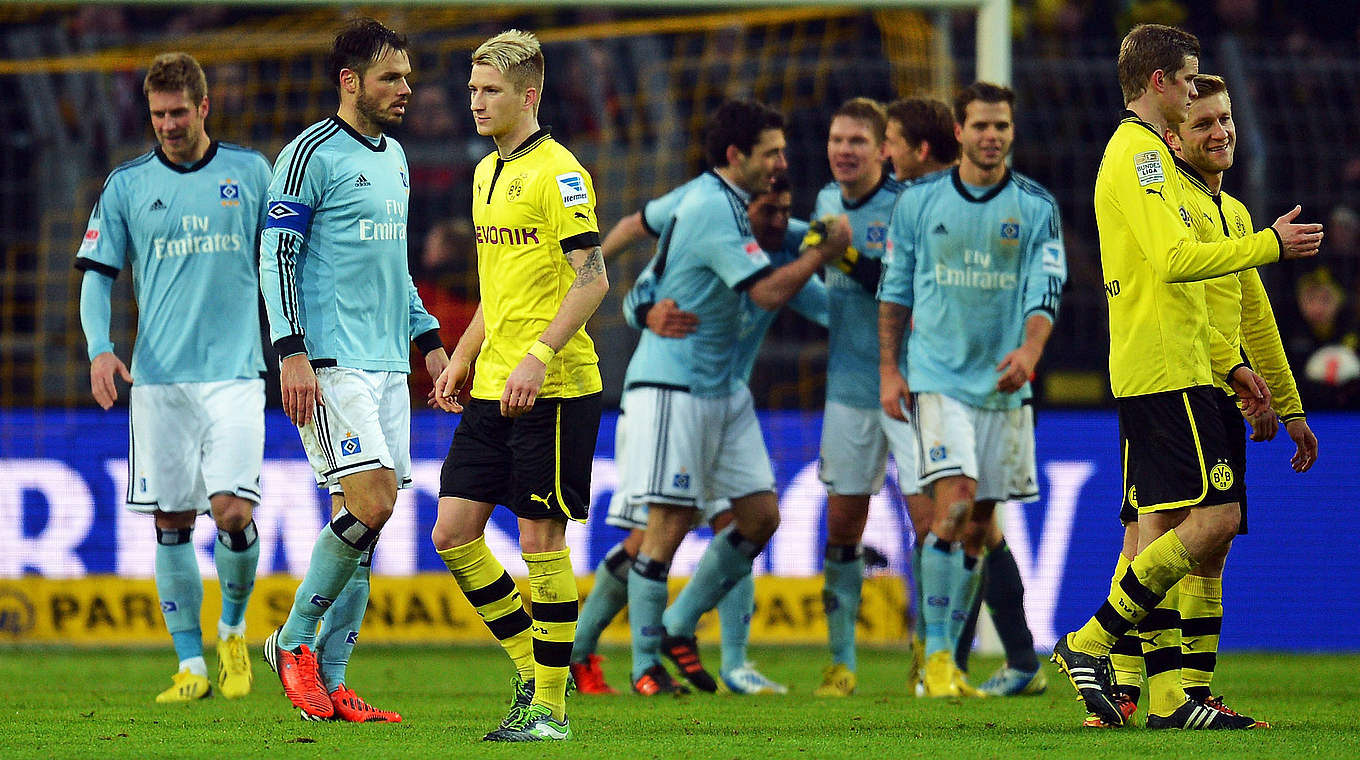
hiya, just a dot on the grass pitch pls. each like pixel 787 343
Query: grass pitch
pixel 99 703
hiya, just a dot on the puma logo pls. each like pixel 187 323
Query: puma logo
pixel 1153 191
pixel 580 215
pixel 542 499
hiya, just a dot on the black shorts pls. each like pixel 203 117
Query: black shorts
pixel 537 465
pixel 1176 451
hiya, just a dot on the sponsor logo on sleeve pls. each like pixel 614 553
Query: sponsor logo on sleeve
pixel 90 242
pixel 572 186
pixel 1051 259
pixel 1148 165
pixel 753 250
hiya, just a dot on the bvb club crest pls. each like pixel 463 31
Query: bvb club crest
pixel 515 190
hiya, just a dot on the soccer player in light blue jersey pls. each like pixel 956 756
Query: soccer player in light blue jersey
pixel 184 217
pixel 342 314
pixel 698 439
pixel 856 435
pixel 781 237
pixel 976 265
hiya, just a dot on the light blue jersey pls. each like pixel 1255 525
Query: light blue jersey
pixel 333 253
pixel 852 351
pixel 706 258
pixel 658 212
pixel 810 301
pixel 188 233
pixel 972 265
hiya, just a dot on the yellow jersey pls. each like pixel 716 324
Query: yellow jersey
pixel 1159 320
pixel 1239 308
pixel 529 209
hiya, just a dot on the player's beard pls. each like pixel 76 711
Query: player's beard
pixel 371 110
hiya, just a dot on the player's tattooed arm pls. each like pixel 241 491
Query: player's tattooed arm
pixel 589 270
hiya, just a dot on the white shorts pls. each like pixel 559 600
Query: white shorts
pixel 189 441
pixel 854 451
pixel 364 424
pixel 692 452
pixel 1024 484
pixel 632 515
pixel 983 444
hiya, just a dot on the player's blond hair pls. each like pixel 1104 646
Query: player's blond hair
pixel 869 111
pixel 517 55
pixel 1209 84
pixel 176 72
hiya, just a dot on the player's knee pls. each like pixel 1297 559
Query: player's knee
pixel 231 513
pixel 448 534
pixel 760 526
pixel 176 520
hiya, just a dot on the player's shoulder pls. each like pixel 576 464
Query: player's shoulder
pixel 132 167
pixel 244 154
pixel 711 201
pixel 1032 190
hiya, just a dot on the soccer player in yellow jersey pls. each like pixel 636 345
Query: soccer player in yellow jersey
pixel 526 439
pixel 1239 310
pixel 1164 359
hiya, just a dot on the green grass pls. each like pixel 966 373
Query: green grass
pixel 60 702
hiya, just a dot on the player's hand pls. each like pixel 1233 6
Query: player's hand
pixel 893 393
pixel 1252 394
pixel 1016 368
pixel 1305 444
pixel 435 362
pixel 521 389
pixel 301 391
pixel 102 369
pixel 1265 427
pixel 837 238
pixel 668 320
pixel 449 382
pixel 1297 241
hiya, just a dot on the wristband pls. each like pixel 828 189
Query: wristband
pixel 542 351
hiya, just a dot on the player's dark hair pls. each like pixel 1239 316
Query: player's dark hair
pixel 358 44
pixel 1149 48
pixel 739 123
pixel 867 110
pixel 928 120
pixel 984 92
pixel 176 72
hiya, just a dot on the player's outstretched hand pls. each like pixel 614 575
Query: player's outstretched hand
pixel 668 320
pixel 521 388
pixel 1265 427
pixel 837 238
pixel 449 383
pixel 1305 444
pixel 1252 393
pixel 1297 241
pixel 301 392
pixel 102 369
pixel 893 393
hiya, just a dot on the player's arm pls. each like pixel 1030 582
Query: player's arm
pixel 1045 273
pixel 624 234
pixel 282 243
pixel 1150 197
pixel 101 256
pixel 1261 341
pixel 450 381
pixel 582 299
pixel 424 332
pixel 774 289
pixel 642 311
pixel 896 297
pixel 811 302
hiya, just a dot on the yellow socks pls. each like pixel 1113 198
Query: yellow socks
pixel 1141 588
pixel 552 589
pixel 1201 608
pixel 489 588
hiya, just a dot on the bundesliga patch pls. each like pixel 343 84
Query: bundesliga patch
pixel 350 445
pixel 87 245
pixel 405 181
pixel 229 192
pixel 1149 168
pixel 572 186
pixel 1051 259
